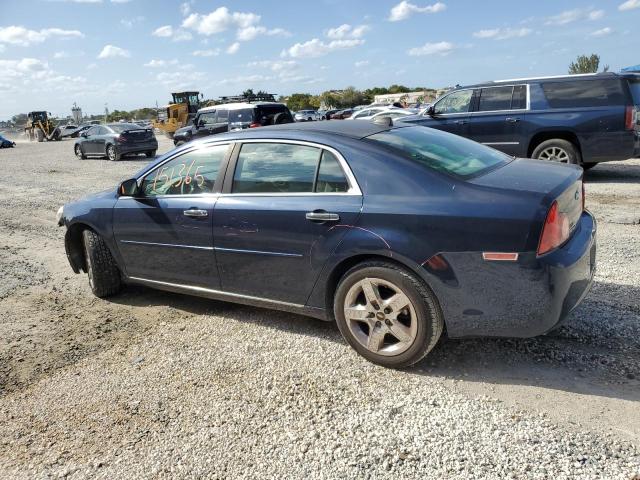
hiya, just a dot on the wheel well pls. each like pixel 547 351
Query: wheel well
pixel 538 138
pixel 75 248
pixel 343 267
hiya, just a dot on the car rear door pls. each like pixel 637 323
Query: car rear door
pixel 164 234
pixel 279 217
pixel 497 117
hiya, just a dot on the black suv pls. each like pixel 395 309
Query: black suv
pixel 579 119
pixel 232 116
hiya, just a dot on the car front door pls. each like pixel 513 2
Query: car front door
pixel 88 141
pixel 206 124
pixel 497 117
pixel 165 232
pixel 451 113
pixel 100 140
pixel 279 217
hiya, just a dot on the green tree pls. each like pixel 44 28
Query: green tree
pixel 584 64
pixel 352 97
pixel 399 89
pixel 300 101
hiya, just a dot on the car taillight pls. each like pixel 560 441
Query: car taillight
pixel 555 230
pixel 630 118
pixel 254 125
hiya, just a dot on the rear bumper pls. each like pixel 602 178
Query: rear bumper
pixel 137 147
pixel 519 299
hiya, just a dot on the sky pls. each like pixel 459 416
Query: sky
pixel 129 54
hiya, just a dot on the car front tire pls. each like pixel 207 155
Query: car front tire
pixel 387 314
pixel 150 154
pixel 557 150
pixel 79 153
pixel 103 273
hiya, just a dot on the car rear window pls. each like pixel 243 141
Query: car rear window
pixel 242 115
pixel 121 127
pixel 584 93
pixel 634 86
pixel 442 151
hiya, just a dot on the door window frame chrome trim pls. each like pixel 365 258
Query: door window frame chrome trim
pixel 354 188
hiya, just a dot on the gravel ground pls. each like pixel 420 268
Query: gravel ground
pixel 156 385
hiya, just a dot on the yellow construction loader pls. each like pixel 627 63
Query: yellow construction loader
pixel 177 114
pixel 40 127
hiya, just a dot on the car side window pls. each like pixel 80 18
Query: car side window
pixel 275 168
pixel 331 178
pixel 495 98
pixel 191 173
pixel 91 131
pixel 456 102
pixel 519 99
pixel 208 118
pixel 223 116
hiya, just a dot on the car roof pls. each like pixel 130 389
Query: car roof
pixel 555 78
pixel 332 127
pixel 238 106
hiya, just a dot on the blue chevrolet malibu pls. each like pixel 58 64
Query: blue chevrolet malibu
pixel 397 233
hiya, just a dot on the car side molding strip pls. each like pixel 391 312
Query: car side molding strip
pixel 170 245
pixel 232 297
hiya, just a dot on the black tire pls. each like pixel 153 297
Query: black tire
pixel 429 318
pixel 564 147
pixel 103 273
pixel 178 143
pixel 150 154
pixel 79 153
pixel 112 153
pixel 588 166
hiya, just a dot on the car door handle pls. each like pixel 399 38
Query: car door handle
pixel 512 120
pixel 461 122
pixel 194 212
pixel 322 216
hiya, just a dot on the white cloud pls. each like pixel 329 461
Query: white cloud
pixel 439 48
pixel 249 33
pixel 181 36
pixel 111 51
pixel 629 5
pixel 603 32
pixel 160 63
pixel 404 10
pixel 361 63
pixel 164 31
pixel 214 52
pixel 570 16
pixel 120 1
pixel 185 8
pixel 247 24
pixel 317 48
pixel 346 31
pixel 18 35
pixel 233 48
pixel 131 22
pixel 503 33
pixel 61 54
pixel 274 65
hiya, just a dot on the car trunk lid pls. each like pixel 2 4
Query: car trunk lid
pixel 138 135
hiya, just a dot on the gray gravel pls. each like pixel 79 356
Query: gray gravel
pixel 156 385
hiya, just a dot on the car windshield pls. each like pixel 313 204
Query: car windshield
pixel 123 127
pixel 442 151
pixel 634 86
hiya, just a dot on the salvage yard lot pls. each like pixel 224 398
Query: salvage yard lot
pixel 149 384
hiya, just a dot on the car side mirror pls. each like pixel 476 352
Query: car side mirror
pixel 84 135
pixel 431 111
pixel 128 188
pixel 200 124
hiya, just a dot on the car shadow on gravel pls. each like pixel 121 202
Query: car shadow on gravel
pixel 595 352
pixel 614 172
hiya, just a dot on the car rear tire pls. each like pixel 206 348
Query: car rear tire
pixel 112 153
pixel 103 273
pixel 79 153
pixel 557 150
pixel 150 153
pixel 387 314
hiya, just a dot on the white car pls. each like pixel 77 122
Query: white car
pixel 393 113
pixel 307 116
pixel 367 113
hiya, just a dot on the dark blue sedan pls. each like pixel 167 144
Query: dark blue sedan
pixel 396 233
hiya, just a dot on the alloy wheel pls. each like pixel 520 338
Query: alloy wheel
pixel 554 154
pixel 111 153
pixel 380 316
pixel 78 151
